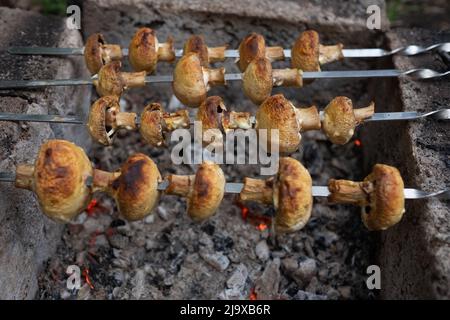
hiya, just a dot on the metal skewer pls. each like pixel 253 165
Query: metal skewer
pixel 442 114
pixel 347 53
pixel 317 191
pixel 413 74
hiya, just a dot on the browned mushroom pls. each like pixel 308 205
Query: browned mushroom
pixel 134 186
pixel 259 78
pixel 308 54
pixel 97 53
pixel 203 191
pixel 254 46
pixel 59 179
pixel 340 119
pixel 290 192
pixel 145 51
pixel 278 113
pixel 155 123
pixel 191 81
pixel 112 82
pixel 206 54
pixel 105 119
pixel 380 196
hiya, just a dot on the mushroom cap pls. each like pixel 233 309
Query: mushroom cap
pixel 207 191
pixel 151 125
pixel 143 50
pixel 60 175
pixel 210 113
pixel 136 189
pixel 189 83
pixel 109 82
pixel 277 112
pixel 292 196
pixel 251 47
pixel 97 118
pixel 387 199
pixel 93 52
pixel 339 120
pixel 305 52
pixel 257 80
pixel 197 44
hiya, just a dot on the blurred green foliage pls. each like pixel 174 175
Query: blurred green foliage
pixel 55 7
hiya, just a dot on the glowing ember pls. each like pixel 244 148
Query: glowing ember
pixel 253 295
pixel 358 143
pixel 244 212
pixel 91 206
pixel 87 278
pixel 261 227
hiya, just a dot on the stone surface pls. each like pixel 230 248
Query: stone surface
pixel 27 237
pixel 414 255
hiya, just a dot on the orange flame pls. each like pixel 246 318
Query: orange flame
pixel 253 295
pixel 91 207
pixel 262 226
pixel 87 278
pixel 358 143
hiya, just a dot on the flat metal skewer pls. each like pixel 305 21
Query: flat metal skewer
pixel 414 74
pixel 410 50
pixel 441 114
pixel 317 191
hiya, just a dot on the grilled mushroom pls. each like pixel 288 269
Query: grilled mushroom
pixel 214 115
pixel 276 112
pixel 204 190
pixel 380 196
pixel 112 82
pixel 340 119
pixel 308 54
pixel 191 81
pixel 97 53
pixel 254 46
pixel 105 119
pixel 155 123
pixel 136 187
pixel 59 179
pixel 290 192
pixel 145 51
pixel 259 78
pixel 206 54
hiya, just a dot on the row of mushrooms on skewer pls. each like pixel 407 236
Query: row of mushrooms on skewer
pixel 338 122
pixel 64 181
pixel 145 51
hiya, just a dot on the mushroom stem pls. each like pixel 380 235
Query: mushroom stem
pixel 363 113
pixel 308 118
pixel 216 54
pixel 237 120
pixel 330 53
pixel 180 185
pixel 166 51
pixel 274 53
pixel 287 77
pixel 175 120
pixel 257 190
pixel 103 180
pixel 133 79
pixel 126 120
pixel 346 191
pixel 216 76
pixel 24 176
pixel 111 52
